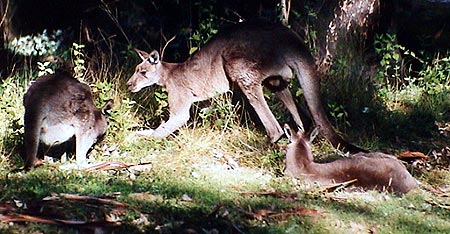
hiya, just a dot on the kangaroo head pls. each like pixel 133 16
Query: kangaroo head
pixel 292 136
pixel 295 137
pixel 147 72
pixel 300 143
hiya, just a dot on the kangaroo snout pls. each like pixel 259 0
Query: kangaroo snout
pixel 134 84
pixel 131 86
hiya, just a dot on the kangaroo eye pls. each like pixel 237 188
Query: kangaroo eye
pixel 143 72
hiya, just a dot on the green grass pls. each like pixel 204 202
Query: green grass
pixel 217 173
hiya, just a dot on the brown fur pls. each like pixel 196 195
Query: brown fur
pixel 247 54
pixel 371 170
pixel 58 107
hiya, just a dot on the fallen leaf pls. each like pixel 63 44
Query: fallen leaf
pixel 262 213
pixel 146 196
pixel 410 156
pixel 307 211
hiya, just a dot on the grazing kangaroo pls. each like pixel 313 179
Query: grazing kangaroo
pixel 371 170
pixel 58 107
pixel 249 54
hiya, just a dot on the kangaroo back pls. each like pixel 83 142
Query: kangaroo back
pixel 380 171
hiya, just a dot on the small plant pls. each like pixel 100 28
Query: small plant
pixel 435 77
pixel 45 68
pixel 156 106
pixel 339 115
pixel 103 90
pixel 219 114
pixel 161 101
pixel 394 70
pixel 309 16
pixel 78 60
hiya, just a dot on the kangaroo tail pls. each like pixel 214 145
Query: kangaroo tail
pixel 310 83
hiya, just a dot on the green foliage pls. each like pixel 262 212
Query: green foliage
pixel 220 114
pixel 308 15
pixel 391 53
pixel 427 88
pixel 78 60
pixel 435 77
pixel 161 101
pixel 38 45
pixel 208 26
pixel 45 68
pixel 103 90
pixel 11 115
pixel 339 115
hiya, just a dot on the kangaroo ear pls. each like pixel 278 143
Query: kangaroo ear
pixel 287 131
pixel 108 106
pixel 154 57
pixel 292 135
pixel 142 54
pixel 314 133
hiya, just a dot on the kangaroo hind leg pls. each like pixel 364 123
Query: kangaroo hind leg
pixel 249 81
pixel 279 85
pixel 33 122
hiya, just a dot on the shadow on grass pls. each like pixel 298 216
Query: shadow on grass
pixel 412 125
pixel 210 208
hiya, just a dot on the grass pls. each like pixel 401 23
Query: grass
pixel 218 174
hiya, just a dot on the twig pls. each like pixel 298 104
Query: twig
pixel 107 166
pixel 164 48
pixel 114 19
pixel 115 165
pixel 334 187
pixel 36 219
pixel 25 218
pixel 6 13
pixel 438 204
pixel 91 199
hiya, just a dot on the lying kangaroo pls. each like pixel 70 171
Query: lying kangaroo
pixel 371 170
pixel 247 54
pixel 58 107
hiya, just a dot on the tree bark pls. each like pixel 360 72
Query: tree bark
pixel 352 20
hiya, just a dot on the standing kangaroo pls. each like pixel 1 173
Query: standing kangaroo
pixel 371 170
pixel 58 107
pixel 247 54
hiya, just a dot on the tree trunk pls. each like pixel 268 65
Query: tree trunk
pixel 352 20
